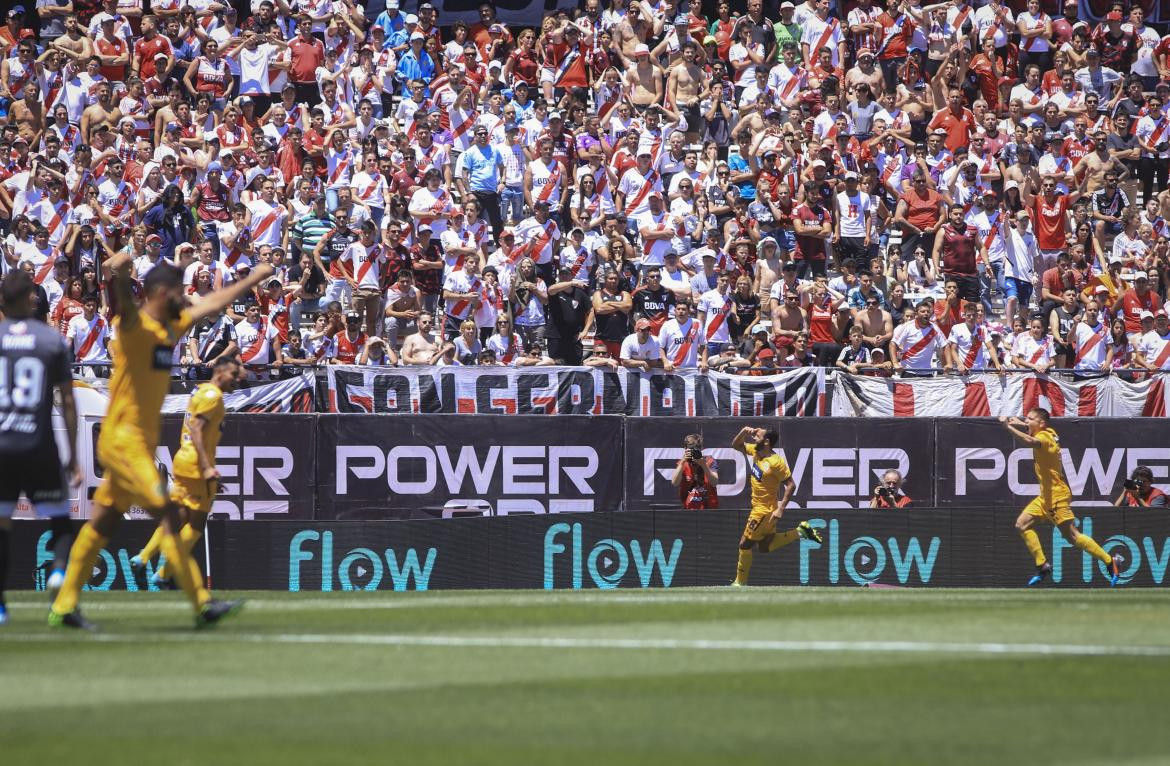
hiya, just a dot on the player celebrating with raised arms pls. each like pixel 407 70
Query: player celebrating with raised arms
pixel 143 350
pixel 769 472
pixel 196 477
pixel 1054 503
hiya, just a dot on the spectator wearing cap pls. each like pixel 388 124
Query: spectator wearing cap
pixel 1134 302
pixel 1094 77
pixel 1118 45
pixel 854 218
pixel 482 175
pixel 414 64
pixel 568 309
pixel 641 350
pixel 1153 348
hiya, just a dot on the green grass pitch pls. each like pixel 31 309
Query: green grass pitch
pixel 802 676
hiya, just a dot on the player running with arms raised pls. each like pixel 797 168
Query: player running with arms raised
pixel 1054 503
pixel 196 479
pixel 769 473
pixel 33 362
pixel 143 352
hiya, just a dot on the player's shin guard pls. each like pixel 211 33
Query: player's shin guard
pixel 150 550
pixel 1089 546
pixel 1032 540
pixel 744 567
pixel 189 578
pixel 62 539
pixel 780 539
pixel 82 557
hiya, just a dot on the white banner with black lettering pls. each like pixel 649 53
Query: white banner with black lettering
pixel 573 391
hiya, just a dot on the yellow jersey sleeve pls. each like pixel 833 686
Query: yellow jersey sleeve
pixel 749 449
pixel 1048 442
pixel 205 400
pixel 782 472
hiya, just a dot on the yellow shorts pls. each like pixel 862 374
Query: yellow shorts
pixel 760 525
pixel 195 495
pixel 1057 510
pixel 130 476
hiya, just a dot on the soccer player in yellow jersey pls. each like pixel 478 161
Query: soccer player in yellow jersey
pixel 196 478
pixel 143 352
pixel 769 473
pixel 1054 503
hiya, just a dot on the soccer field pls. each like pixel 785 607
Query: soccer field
pixel 693 676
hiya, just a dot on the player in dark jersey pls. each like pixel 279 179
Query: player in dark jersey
pixel 33 362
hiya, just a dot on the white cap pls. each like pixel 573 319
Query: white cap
pixel 641 49
pixel 786 4
pixel 252 175
pixel 1146 315
pixel 817 164
pixel 391 5
pixel 417 36
pixel 410 19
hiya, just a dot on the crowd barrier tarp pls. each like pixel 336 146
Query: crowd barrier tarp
pixel 658 549
pixel 978 463
pixel 989 394
pixel 572 391
pixel 267 464
pixel 424 466
pixel 836 466
pixel 292 395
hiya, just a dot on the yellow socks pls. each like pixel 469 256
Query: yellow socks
pixel 783 538
pixel 744 566
pixel 188 536
pixel 150 550
pixel 82 556
pixel 1032 540
pixel 1089 546
pixel 185 572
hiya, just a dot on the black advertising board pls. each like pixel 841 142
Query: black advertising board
pixel 835 463
pixel 927 547
pixel 979 464
pixel 430 466
pixel 267 464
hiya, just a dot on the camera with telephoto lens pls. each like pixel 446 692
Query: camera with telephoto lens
pixel 1131 485
pixel 694 454
pixel 886 494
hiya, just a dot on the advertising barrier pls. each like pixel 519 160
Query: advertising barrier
pixel 423 466
pixel 327 467
pixel 835 467
pixel 267 464
pixel 640 549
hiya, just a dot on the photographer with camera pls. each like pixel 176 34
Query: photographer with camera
pixel 1139 490
pixel 889 493
pixel 695 476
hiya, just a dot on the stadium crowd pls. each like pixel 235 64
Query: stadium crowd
pixel 891 190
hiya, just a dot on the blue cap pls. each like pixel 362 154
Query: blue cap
pixel 214 167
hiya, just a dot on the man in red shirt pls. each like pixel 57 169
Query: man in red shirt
pixel 145 64
pixel 307 54
pixel 957 120
pixel 1133 302
pixel 1050 214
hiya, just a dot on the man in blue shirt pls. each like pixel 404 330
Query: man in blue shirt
pixel 390 20
pixel 415 64
pixel 482 174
